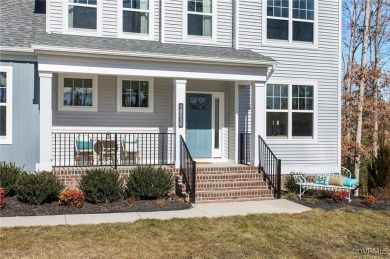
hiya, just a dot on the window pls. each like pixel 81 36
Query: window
pixel 82 14
pixel 290 20
pixel 290 111
pixel 78 92
pixel 5 105
pixel 135 94
pixel 200 20
pixel 136 16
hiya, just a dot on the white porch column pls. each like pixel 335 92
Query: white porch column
pixel 258 126
pixel 45 121
pixel 179 115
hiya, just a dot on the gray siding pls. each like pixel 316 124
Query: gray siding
pixel 232 122
pixel 244 114
pixel 24 150
pixel 106 116
pixel 304 64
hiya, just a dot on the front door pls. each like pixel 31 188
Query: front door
pixel 198 116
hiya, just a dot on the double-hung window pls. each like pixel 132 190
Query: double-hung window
pixel 291 20
pixel 77 92
pixel 136 16
pixel 135 94
pixel 5 105
pixel 290 111
pixel 200 19
pixel 83 14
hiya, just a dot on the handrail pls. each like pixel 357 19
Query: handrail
pixel 187 169
pixel 270 166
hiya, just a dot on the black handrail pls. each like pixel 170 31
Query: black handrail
pixel 270 166
pixel 187 169
pixel 245 148
pixel 81 149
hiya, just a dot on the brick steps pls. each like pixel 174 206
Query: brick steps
pixel 227 184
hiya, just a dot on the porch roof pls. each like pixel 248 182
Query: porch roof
pixel 23 25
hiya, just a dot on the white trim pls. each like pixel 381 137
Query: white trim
pixel 339 93
pixel 16 49
pixel 80 31
pixel 119 107
pixel 48 14
pixel 237 24
pixel 95 129
pixel 290 139
pixel 162 21
pixel 165 57
pixel 201 39
pixel 237 114
pixel 290 43
pixel 130 35
pixel 7 139
pixel 215 153
pixel 62 107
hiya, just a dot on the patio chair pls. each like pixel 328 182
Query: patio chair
pixel 108 153
pixel 130 149
pixel 83 150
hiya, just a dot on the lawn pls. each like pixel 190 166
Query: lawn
pixel 314 234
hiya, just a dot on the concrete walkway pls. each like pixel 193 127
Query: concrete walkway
pixel 209 210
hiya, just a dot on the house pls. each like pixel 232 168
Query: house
pixel 104 82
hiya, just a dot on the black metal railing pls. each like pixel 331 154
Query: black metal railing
pixel 187 169
pixel 245 148
pixel 270 166
pixel 112 149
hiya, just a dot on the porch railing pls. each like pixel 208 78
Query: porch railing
pixel 112 149
pixel 270 165
pixel 187 169
pixel 245 148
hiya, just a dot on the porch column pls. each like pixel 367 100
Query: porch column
pixel 45 121
pixel 179 115
pixel 258 119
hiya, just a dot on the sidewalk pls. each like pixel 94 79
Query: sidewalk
pixel 209 210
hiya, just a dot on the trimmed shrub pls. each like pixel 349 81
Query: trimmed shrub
pixel 290 184
pixel 339 196
pixel 101 186
pixel 38 188
pixel 73 198
pixel 324 194
pixel 2 198
pixel 147 182
pixel 9 173
pixel 370 200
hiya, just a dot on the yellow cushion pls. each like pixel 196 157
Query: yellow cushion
pixel 337 181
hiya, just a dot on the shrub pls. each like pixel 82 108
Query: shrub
pixel 9 173
pixel 324 194
pixel 370 200
pixel 379 169
pixel 101 186
pixel 290 184
pixel 147 182
pixel 339 196
pixel 381 193
pixel 37 188
pixel 73 198
pixel 2 198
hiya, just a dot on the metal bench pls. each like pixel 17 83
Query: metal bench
pixel 310 174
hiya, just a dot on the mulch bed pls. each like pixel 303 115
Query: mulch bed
pixel 357 203
pixel 17 208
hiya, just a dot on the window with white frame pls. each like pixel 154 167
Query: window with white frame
pixel 136 16
pixel 290 20
pixel 5 105
pixel 82 14
pixel 77 92
pixel 135 94
pixel 290 111
pixel 200 18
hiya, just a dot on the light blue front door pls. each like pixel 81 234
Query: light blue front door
pixel 198 116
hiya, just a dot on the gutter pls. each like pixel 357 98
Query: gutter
pixel 54 50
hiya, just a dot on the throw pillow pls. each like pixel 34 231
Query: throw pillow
pixel 349 182
pixel 321 179
pixel 337 181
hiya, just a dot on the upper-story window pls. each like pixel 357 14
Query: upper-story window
pixel 136 16
pixel 82 14
pixel 291 20
pixel 200 18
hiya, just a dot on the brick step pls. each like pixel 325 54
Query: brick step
pixel 228 177
pixel 214 200
pixel 198 172
pixel 232 185
pixel 233 194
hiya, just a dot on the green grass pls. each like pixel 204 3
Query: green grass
pixel 314 234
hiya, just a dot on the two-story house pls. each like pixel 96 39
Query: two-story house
pixel 104 82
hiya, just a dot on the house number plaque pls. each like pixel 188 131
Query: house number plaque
pixel 180 115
